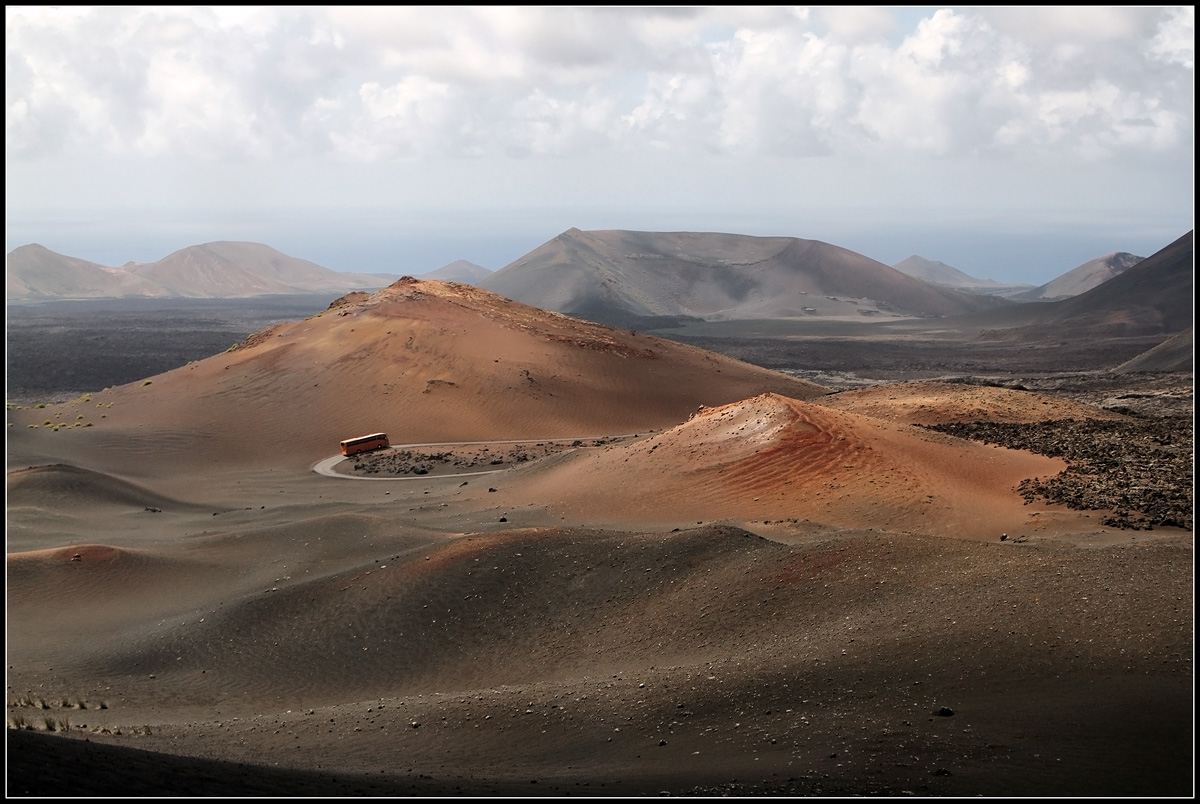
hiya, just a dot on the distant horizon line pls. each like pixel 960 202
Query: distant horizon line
pixel 1003 257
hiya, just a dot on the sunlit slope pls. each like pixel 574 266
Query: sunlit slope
pixel 776 458
pixel 420 360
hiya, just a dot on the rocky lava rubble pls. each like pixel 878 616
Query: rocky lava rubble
pixel 462 458
pixel 1139 469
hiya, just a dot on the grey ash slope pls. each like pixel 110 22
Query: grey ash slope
pixel 1176 353
pixel 1082 278
pixel 619 277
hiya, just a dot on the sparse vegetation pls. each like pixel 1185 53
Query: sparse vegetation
pixel 28 701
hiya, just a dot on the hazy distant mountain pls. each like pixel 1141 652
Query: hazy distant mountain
pixel 1154 297
pixel 36 272
pixel 459 271
pixel 1082 278
pixel 212 270
pixel 939 273
pixel 623 277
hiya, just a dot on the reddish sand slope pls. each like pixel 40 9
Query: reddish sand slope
pixel 420 360
pixel 941 402
pixel 781 458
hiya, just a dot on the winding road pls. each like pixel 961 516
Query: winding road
pixel 325 467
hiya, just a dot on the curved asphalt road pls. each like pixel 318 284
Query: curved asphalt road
pixel 325 467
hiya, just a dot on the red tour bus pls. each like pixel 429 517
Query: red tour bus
pixel 353 446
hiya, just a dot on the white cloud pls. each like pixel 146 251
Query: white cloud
pixel 1056 26
pixel 381 83
pixel 1175 40
pixel 857 23
pixel 528 120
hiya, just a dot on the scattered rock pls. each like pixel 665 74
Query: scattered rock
pixel 1139 469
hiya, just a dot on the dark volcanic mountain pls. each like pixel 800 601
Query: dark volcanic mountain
pixel 1082 278
pixel 1152 298
pixel 623 277
pixel 213 270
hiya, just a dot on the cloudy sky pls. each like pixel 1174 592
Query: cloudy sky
pixel 1011 143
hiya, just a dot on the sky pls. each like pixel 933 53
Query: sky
pixel 1011 143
